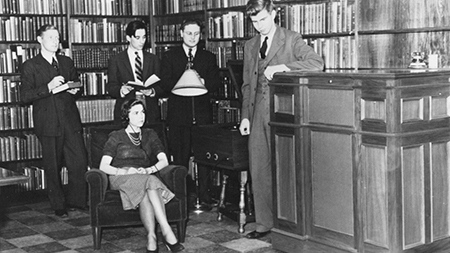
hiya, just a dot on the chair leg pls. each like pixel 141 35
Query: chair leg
pixel 97 236
pixel 181 230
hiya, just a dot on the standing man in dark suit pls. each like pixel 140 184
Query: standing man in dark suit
pixel 185 112
pixel 57 120
pixel 123 67
pixel 274 49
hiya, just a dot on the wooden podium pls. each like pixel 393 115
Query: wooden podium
pixel 361 160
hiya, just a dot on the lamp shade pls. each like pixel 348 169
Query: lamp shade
pixel 189 85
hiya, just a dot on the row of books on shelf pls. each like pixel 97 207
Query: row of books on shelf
pixel 110 7
pixel 336 52
pixel 94 83
pixel 12 58
pixel 227 89
pixel 318 18
pixel 41 7
pixel 104 31
pixel 230 25
pixel 98 110
pixel 215 4
pixel 37 178
pixel 225 112
pixel 16 117
pixel 21 116
pixel 226 50
pixel 9 90
pixel 16 148
pixel 163 7
pixel 94 57
pixel 20 28
pixel 167 32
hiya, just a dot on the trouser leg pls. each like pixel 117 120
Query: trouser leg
pixel 75 156
pixel 260 167
pixel 52 163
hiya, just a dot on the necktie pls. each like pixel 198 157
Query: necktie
pixel 138 67
pixel 55 64
pixel 263 49
pixel 190 56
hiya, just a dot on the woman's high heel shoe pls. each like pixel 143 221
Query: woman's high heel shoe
pixel 177 247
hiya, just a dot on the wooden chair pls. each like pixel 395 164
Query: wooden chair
pixel 105 204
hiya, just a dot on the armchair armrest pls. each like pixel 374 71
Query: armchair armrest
pixel 174 176
pixel 98 182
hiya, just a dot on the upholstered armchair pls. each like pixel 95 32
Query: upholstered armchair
pixel 105 204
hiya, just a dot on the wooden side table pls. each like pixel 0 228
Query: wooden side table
pixel 222 147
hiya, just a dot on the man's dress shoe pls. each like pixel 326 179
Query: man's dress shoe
pixel 256 235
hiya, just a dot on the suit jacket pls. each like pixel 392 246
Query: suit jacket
pixel 50 110
pixel 173 65
pixel 120 72
pixel 287 48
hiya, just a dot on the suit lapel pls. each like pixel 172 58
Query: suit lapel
pixel 124 62
pixel 279 38
pixel 45 67
pixel 254 52
pixel 198 57
pixel 146 66
pixel 255 48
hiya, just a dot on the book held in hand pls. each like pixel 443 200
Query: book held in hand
pixel 140 85
pixel 66 86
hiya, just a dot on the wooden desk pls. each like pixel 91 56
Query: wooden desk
pixel 222 147
pixel 361 160
pixel 9 177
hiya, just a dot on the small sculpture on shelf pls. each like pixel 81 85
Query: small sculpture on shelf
pixel 418 60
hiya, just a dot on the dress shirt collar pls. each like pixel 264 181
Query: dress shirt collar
pixel 48 56
pixel 132 53
pixel 186 50
pixel 269 39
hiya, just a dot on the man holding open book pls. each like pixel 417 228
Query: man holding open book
pixel 49 82
pixel 131 74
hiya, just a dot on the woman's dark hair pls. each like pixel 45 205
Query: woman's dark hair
pixel 126 107
pixel 253 7
pixel 133 26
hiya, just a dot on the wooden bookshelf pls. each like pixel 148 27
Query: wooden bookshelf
pixel 91 32
pixel 18 25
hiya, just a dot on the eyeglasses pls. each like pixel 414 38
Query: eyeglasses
pixel 192 34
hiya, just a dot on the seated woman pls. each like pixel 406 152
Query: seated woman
pixel 130 157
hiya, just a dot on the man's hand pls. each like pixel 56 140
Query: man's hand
pixel 55 82
pixel 73 91
pixel 244 127
pixel 125 89
pixel 148 92
pixel 271 70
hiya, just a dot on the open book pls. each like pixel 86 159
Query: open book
pixel 66 86
pixel 140 85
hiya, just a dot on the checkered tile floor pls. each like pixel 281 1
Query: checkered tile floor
pixel 34 228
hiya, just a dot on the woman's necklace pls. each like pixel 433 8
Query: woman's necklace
pixel 135 138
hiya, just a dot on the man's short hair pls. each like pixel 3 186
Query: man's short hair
pixel 193 21
pixel 133 26
pixel 253 7
pixel 45 28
